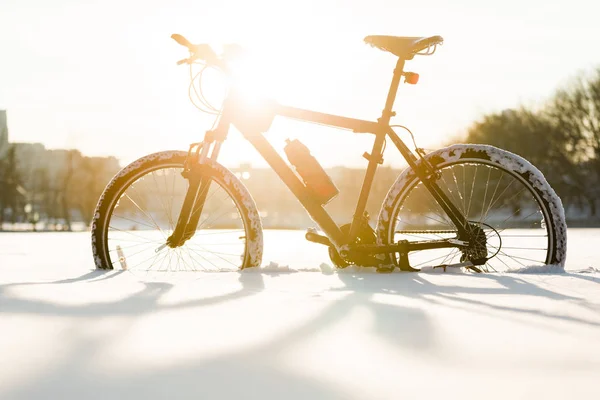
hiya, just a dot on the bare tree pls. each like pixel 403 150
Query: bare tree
pixel 575 111
pixel 535 137
pixel 90 178
pixel 72 158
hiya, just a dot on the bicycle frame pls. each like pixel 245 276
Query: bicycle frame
pixel 251 130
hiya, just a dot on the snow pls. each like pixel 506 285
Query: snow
pixel 297 329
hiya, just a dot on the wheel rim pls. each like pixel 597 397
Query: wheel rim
pixel 145 215
pixel 510 212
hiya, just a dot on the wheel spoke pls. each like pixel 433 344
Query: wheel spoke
pixel 130 233
pixel 433 259
pixel 133 220
pixel 492 198
pixel 449 190
pixel 458 190
pixel 504 205
pixel 487 184
pixel 148 202
pixel 162 203
pixel 148 215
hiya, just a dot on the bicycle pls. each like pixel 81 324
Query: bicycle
pixel 471 206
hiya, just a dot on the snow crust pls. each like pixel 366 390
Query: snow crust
pixel 540 269
pixel 72 332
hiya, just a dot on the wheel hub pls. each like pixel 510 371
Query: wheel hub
pixel 477 249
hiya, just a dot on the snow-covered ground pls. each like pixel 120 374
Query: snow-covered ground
pixel 68 332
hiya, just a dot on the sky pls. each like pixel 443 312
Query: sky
pixel 100 75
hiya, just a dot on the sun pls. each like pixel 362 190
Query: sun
pixel 253 77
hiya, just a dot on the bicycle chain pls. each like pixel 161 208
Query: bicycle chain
pixel 432 232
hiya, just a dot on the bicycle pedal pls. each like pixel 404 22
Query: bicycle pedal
pixel 313 236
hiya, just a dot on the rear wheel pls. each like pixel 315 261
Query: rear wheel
pixel 139 209
pixel 515 218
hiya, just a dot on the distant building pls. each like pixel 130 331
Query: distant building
pixel 57 185
pixel 30 156
pixel 3 133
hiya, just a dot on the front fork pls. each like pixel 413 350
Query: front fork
pixel 199 185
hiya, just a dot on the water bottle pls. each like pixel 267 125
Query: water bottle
pixel 314 176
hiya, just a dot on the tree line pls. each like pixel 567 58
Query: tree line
pixel 561 138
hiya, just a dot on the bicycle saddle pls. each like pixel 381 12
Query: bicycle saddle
pixel 404 47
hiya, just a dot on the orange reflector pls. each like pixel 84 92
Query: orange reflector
pixel 411 77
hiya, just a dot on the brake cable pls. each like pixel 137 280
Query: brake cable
pixel 420 151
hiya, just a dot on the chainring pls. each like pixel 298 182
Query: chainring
pixel 366 235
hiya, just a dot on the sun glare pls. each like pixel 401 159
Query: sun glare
pixel 254 82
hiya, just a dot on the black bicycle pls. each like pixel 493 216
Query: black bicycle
pixel 471 206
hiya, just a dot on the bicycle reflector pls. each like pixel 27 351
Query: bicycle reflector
pixel 411 77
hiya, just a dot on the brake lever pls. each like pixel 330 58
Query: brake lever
pixel 189 60
pixel 182 41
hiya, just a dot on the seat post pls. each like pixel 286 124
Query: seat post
pixel 387 111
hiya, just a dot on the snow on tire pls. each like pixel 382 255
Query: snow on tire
pixel 549 202
pixel 121 182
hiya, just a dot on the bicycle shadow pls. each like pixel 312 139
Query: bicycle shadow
pixel 417 286
pixel 256 369
pixel 261 367
pixel 144 301
pixel 583 276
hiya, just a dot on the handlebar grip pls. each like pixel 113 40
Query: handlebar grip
pixel 182 41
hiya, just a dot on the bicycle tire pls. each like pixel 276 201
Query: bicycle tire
pixel 492 158
pixel 134 172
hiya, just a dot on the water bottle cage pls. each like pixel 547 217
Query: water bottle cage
pixel 369 157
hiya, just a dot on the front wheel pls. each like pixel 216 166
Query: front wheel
pixel 139 209
pixel 516 220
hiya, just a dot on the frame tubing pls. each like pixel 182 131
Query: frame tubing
pixel 365 190
pixel 376 153
pixel 440 197
pixel 389 103
pixel 314 208
pixel 356 125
